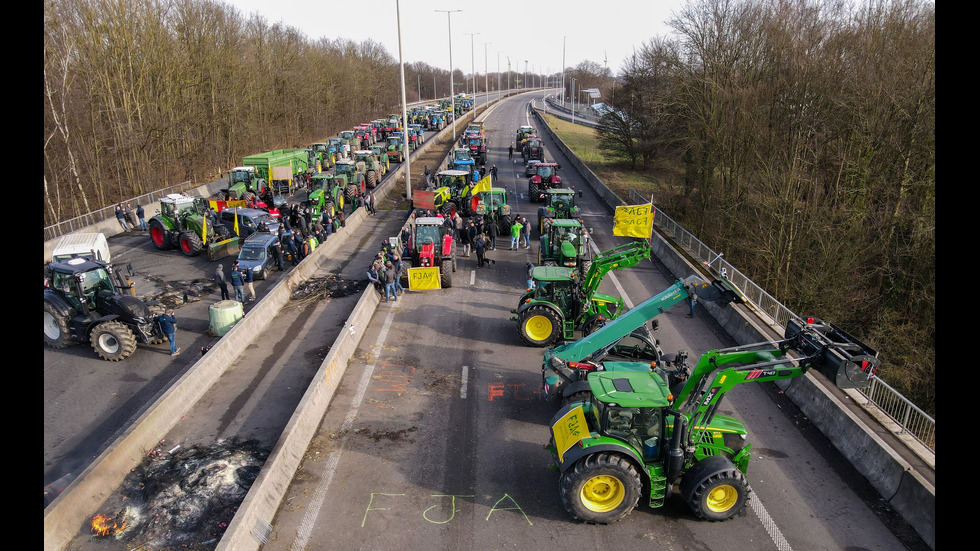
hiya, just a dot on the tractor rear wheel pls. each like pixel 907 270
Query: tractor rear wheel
pixel 601 488
pixel 113 341
pixel 158 235
pixel 190 243
pixel 56 333
pixel 372 179
pixel 532 192
pixel 540 326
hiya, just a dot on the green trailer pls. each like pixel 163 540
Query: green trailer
pixel 271 166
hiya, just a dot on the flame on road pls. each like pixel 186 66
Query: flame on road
pixel 103 525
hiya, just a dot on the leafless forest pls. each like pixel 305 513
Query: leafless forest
pixel 801 132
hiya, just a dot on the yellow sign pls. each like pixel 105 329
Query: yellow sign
pixel 569 430
pixel 633 220
pixel 423 278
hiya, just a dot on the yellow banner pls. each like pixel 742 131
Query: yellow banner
pixel 423 278
pixel 569 430
pixel 236 221
pixel 633 221
pixel 482 185
pixel 204 229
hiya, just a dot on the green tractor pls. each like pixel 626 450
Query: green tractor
pixel 323 155
pixel 369 167
pixel 456 193
pixel 564 242
pixel 351 178
pixel 653 435
pixel 180 224
pixel 560 302
pixel 326 194
pixel 559 204
pixel 380 153
pixel 244 184
pixel 395 147
pixel 522 133
pixel 349 138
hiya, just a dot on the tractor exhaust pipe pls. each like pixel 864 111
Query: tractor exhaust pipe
pixel 675 456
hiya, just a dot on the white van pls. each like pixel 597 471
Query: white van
pixel 82 245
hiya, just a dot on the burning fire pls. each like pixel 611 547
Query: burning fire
pixel 103 525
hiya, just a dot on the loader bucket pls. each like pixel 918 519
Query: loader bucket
pixel 221 249
pixel 841 357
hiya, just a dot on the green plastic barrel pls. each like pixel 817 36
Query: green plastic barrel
pixel 223 315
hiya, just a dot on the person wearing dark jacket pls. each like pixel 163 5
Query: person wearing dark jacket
pixel 168 323
pixel 492 233
pixel 479 244
pixel 219 276
pixel 237 283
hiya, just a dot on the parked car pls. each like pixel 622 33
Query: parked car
pixel 256 253
pixel 248 220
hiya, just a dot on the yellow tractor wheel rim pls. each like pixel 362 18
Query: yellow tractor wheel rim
pixel 722 498
pixel 603 493
pixel 538 327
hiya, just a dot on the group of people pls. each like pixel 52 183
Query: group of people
pixel 520 233
pixel 241 279
pixel 129 218
pixel 385 272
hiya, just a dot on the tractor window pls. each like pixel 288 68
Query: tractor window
pixel 546 171
pixel 426 235
pixel 642 428
pixel 93 282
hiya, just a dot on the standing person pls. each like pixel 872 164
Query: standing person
pixel 168 323
pixel 131 215
pixel 237 282
pixel 510 152
pixel 515 233
pixel 479 243
pixel 219 276
pixel 121 217
pixel 530 280
pixel 472 232
pixel 248 278
pixel 277 254
pixel 493 174
pixel 397 261
pixel 375 279
pixel 464 239
pixel 492 233
pixel 390 281
pixel 525 232
pixel 141 215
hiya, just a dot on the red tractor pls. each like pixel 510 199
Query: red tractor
pixel 545 177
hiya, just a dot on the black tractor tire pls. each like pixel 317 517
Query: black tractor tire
pixel 190 243
pixel 372 179
pixel 158 235
pixel 532 192
pixel 56 332
pixel 350 192
pixel 592 325
pixel 715 489
pixel 247 196
pixel 448 209
pixel 446 270
pixel 539 326
pixel 600 488
pixel 580 396
pixel 113 341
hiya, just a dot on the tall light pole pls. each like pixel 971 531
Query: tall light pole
pixel 401 64
pixel 498 75
pixel 452 89
pixel 486 76
pixel 508 73
pixel 573 100
pixel 525 74
pixel 472 62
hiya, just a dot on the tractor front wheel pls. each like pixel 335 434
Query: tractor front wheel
pixel 715 489
pixel 601 488
pixel 446 274
pixel 113 341
pixel 540 326
pixel 190 243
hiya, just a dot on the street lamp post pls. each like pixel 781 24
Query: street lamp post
pixel 472 62
pixel 401 64
pixel 486 76
pixel 452 89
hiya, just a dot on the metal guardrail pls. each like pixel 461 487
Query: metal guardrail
pixel 107 213
pixel 912 420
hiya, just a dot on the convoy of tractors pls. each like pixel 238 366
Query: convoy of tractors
pixel 633 421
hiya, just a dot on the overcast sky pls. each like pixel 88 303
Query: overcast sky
pixel 604 32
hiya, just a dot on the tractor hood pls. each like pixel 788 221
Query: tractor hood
pixel 128 308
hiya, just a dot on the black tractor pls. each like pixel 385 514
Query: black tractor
pixel 82 303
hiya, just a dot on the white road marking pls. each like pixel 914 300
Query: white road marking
pixel 462 390
pixel 319 494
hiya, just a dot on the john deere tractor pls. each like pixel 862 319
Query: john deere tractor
pixel 369 166
pixel 637 437
pixel 395 147
pixel 82 303
pixel 350 178
pixel 180 224
pixel 564 242
pixel 562 301
pixel 326 194
pixel 559 204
